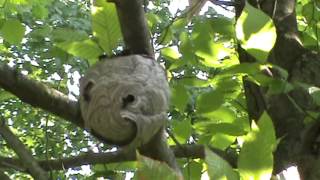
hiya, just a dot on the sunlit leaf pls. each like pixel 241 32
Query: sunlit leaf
pixel 221 115
pixel 40 12
pixel 256 156
pixel 209 51
pixel 186 47
pixel 170 53
pixel 182 130
pixel 194 82
pixel 232 129
pixel 152 19
pixel 223 120
pixel 13 31
pixel 168 34
pixel 192 170
pixel 223 26
pixel 67 34
pixel 209 101
pixel 222 141
pixel 155 170
pixel 315 94
pixel 173 58
pixel 86 49
pixel 105 25
pixel 180 96
pixel 218 168
pixel 243 68
pixel 256 32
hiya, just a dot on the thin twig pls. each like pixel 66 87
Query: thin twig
pixel 24 154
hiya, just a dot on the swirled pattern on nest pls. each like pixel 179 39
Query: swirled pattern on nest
pixel 124 99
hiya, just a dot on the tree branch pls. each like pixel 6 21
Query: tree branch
pixel 3 176
pixel 39 95
pixel 25 155
pixel 183 151
pixel 134 27
pixel 285 109
pixel 137 39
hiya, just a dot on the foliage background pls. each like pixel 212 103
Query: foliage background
pixel 56 41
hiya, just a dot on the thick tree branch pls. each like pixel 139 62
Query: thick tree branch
pixel 3 176
pixel 39 95
pixel 134 27
pixel 24 154
pixel 288 111
pixel 137 39
pixel 185 151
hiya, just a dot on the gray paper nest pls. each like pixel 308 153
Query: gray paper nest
pixel 125 99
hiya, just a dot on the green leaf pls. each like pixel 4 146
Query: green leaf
pixel 172 56
pixel 192 170
pixel 205 47
pixel 193 81
pixel 44 31
pixel 232 129
pixel 275 86
pixel 218 168
pixel 309 12
pixel 123 166
pixel 86 49
pixel 315 94
pixel 223 26
pixel 155 170
pixel 152 19
pixel 209 101
pixel 278 86
pixel 256 32
pixel 186 47
pixel 105 25
pixel 232 85
pixel 222 141
pixel 13 31
pixel 170 53
pixel 221 115
pixel 224 121
pixel 67 34
pixel 4 95
pixel 256 156
pixel 169 33
pixel 180 96
pixel 166 36
pixel 243 68
pixel 40 11
pixel 182 130
pixel 4 49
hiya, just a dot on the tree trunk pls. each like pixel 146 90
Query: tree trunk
pixel 288 111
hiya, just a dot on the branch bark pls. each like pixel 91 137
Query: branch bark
pixel 39 95
pixel 185 151
pixel 134 27
pixel 35 93
pixel 137 39
pixel 288 111
pixel 3 176
pixel 25 155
